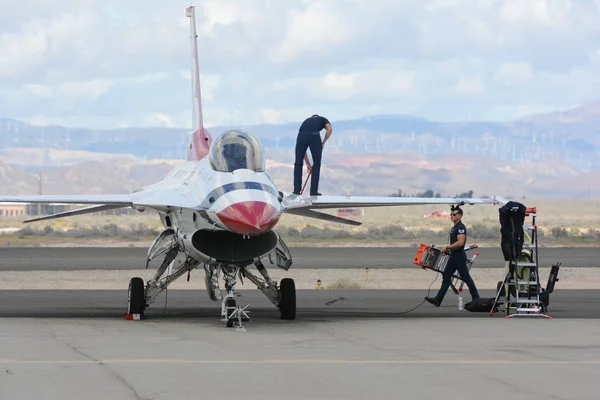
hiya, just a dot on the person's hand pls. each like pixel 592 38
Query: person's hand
pixel 309 167
pixel 323 144
pixel 444 249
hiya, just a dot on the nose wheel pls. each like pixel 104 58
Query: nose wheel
pixel 234 315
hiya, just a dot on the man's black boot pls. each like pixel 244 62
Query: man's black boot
pixel 433 301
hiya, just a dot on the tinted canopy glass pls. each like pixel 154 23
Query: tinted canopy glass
pixel 236 150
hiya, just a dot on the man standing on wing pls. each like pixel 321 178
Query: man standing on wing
pixel 309 137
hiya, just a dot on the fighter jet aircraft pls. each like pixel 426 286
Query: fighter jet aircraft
pixel 219 210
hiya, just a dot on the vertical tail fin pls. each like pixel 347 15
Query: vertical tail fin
pixel 200 139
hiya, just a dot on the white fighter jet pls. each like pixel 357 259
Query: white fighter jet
pixel 219 210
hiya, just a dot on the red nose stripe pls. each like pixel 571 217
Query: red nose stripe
pixel 249 217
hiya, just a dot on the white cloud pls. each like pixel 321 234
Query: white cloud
pixel 436 5
pixel 525 11
pixel 595 55
pixel 160 120
pixel 514 73
pixel 83 122
pixel 360 85
pixel 67 92
pixel 89 89
pixel 114 63
pixel 41 91
pixel 469 85
pixel 543 12
pixel 271 116
pixel 218 12
pixel 338 86
pixel 313 30
pixel 209 83
pixel 486 4
pixel 481 32
pixel 149 78
pixel 20 53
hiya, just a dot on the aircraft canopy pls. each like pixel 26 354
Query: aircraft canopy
pixel 237 150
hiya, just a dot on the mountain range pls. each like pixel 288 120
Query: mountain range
pixel 546 155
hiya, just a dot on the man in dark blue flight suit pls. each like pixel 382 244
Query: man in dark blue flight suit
pixel 457 260
pixel 309 137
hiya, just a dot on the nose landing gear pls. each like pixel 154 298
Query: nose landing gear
pixel 234 315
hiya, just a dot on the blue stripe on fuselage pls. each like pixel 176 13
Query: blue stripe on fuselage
pixel 215 194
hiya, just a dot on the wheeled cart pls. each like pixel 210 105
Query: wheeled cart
pixel 431 257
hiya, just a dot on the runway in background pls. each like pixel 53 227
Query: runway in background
pixel 128 258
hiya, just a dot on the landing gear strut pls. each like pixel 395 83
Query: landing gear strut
pixel 233 314
pixel 283 297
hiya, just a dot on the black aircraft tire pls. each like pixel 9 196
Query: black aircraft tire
pixel 136 297
pixel 287 304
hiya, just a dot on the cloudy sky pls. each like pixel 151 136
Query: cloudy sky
pixel 113 63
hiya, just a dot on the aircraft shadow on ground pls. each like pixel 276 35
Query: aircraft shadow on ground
pixel 313 305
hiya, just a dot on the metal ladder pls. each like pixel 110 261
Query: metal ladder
pixel 526 301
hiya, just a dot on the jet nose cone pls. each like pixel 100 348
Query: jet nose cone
pixel 249 217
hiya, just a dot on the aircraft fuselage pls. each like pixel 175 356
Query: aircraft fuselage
pixel 225 216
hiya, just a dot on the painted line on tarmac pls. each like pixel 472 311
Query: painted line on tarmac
pixel 302 361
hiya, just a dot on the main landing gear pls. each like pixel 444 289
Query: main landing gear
pixel 136 297
pixel 283 296
pixel 287 299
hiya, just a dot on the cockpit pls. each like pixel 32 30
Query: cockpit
pixel 236 150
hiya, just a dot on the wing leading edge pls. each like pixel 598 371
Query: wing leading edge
pixel 295 202
pixel 116 199
pixel 305 206
pixel 80 211
pixel 155 200
pixel 100 203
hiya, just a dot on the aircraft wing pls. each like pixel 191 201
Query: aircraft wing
pixel 116 199
pixel 294 202
pixel 305 205
pixel 306 212
pixel 80 211
pixel 100 203
pixel 156 200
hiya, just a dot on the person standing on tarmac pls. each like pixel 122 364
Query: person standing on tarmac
pixel 457 260
pixel 309 137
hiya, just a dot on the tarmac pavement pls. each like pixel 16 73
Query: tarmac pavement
pixel 342 345
pixel 349 344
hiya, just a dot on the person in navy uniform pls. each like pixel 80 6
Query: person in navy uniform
pixel 309 136
pixel 457 260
